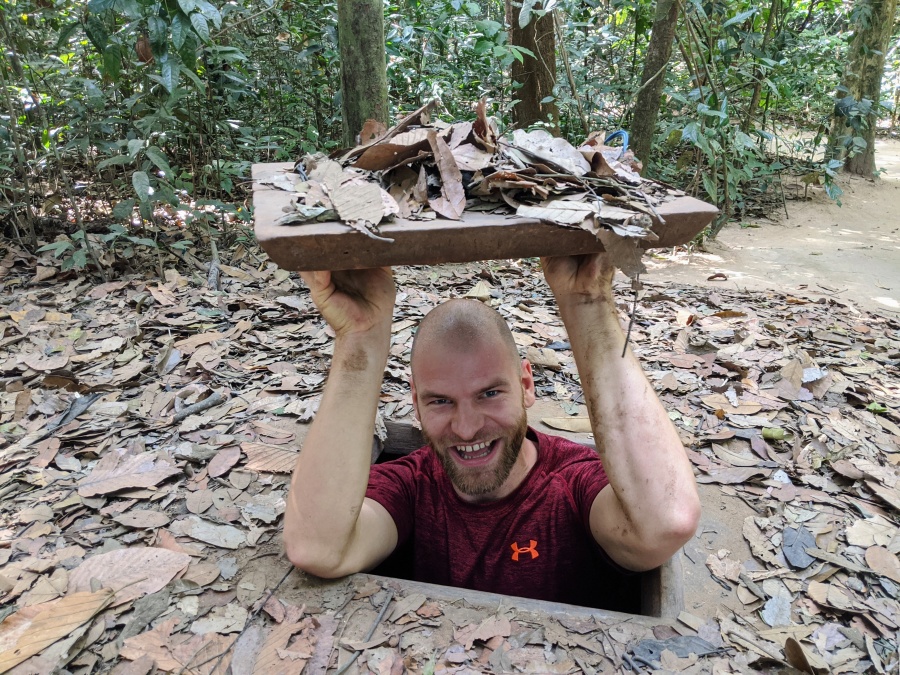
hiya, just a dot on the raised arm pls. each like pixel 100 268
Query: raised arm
pixel 651 506
pixel 330 529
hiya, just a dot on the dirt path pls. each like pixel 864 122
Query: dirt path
pixel 851 252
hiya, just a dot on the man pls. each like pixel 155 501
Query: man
pixel 489 504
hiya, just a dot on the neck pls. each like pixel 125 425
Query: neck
pixel 517 475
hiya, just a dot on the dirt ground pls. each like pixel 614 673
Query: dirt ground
pixel 850 251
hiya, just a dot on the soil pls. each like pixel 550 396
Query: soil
pixel 850 251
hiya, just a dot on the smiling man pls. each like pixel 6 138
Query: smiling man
pixel 489 503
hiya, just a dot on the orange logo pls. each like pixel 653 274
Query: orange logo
pixel 532 549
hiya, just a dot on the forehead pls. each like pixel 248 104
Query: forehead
pixel 463 368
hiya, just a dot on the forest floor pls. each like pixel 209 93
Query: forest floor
pixel 850 251
pixel 148 427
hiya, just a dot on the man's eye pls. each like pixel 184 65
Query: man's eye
pixel 439 401
pixel 491 393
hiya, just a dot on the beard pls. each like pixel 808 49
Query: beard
pixel 483 480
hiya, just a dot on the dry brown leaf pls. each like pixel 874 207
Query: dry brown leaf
pixel 269 458
pixel 223 461
pixel 358 201
pixel 53 621
pixel 883 562
pixel 224 536
pixel 268 662
pixel 117 471
pixel 142 519
pixel 131 572
pixel 453 197
pixel 721 402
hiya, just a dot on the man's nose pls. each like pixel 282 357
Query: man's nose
pixel 467 422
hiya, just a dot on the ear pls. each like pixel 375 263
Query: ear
pixel 528 393
pixel 415 400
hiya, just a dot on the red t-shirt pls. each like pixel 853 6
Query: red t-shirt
pixel 535 543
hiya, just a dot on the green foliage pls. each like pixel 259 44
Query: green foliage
pixel 161 107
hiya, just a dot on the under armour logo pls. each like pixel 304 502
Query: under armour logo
pixel 531 548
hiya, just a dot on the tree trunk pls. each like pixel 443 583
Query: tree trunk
pixel 659 50
pixel 363 71
pixel 862 80
pixel 536 77
pixel 757 72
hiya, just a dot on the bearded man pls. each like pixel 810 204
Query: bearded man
pixel 489 503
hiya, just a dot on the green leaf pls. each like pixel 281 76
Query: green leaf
pixel 488 28
pixel 97 6
pixel 112 61
pixel 526 12
pixel 473 8
pixel 79 259
pixel 876 407
pixel 710 186
pixel 135 145
pixel 159 33
pixel 180 27
pixel 57 247
pixel 169 74
pixel 193 77
pixel 187 6
pixel 157 156
pixel 65 34
pixel 142 241
pixel 210 12
pixel 96 32
pixel 198 21
pixel 740 18
pixel 141 182
pixel 123 210
pixel 115 160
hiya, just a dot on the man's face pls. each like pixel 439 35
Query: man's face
pixel 471 404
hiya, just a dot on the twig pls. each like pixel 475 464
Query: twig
pixel 200 406
pixel 633 314
pixel 212 276
pixel 355 655
pixel 562 48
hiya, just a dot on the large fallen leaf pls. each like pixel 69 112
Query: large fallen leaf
pixel 131 572
pixel 358 201
pixel 453 197
pixel 225 536
pixel 268 662
pixel 542 145
pixel 883 562
pixel 54 620
pixel 269 458
pixel 117 471
pixel 720 402
pixel 733 475
pixel 560 212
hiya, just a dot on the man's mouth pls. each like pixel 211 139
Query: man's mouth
pixel 475 451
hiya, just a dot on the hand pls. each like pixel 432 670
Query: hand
pixel 580 277
pixel 353 301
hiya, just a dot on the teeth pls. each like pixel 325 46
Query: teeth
pixel 472 448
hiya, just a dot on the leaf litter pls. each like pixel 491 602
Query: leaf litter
pixel 131 541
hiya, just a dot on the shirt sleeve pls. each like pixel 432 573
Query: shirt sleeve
pixel 393 485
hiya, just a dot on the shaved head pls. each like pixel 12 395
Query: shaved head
pixel 462 325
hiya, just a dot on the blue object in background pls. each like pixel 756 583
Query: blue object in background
pixel 620 134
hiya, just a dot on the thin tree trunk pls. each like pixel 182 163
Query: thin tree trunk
pixel 364 92
pixel 757 71
pixel 659 50
pixel 536 77
pixel 863 81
